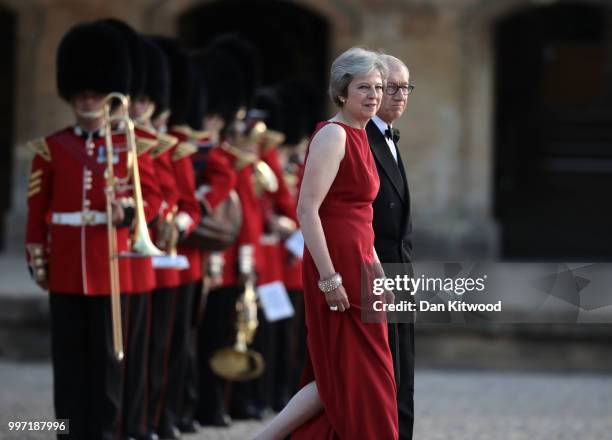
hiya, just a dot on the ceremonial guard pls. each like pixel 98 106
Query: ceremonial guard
pixel 155 110
pixel 174 305
pixel 299 95
pixel 137 300
pixel 67 238
pixel 280 220
pixel 214 180
pixel 228 89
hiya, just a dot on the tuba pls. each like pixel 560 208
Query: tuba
pixel 141 242
pixel 238 362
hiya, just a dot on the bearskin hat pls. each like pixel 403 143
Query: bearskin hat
pixel 157 87
pixel 135 46
pixel 270 105
pixel 247 56
pixel 197 109
pixel 182 79
pixel 300 100
pixel 220 73
pixel 92 56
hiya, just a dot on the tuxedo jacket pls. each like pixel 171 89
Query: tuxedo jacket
pixel 392 223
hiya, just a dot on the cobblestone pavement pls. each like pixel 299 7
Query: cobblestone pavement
pixel 465 405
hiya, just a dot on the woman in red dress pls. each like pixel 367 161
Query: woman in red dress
pixel 349 388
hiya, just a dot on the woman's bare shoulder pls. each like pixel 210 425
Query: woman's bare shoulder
pixel 331 136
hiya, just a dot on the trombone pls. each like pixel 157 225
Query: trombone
pixel 141 242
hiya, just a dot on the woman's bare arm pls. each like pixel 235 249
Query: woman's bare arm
pixel 324 157
pixel 326 152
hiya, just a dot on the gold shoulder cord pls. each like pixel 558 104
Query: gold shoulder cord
pixel 40 147
pixel 144 144
pixel 182 150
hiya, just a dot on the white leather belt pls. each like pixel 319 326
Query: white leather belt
pixel 269 239
pixel 79 218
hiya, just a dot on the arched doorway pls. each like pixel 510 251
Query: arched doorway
pixel 7 108
pixel 553 132
pixel 292 40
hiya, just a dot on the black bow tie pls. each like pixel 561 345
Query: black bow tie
pixel 393 134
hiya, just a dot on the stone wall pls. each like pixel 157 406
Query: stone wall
pixel 446 130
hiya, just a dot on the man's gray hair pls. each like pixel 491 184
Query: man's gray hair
pixel 391 61
pixel 354 62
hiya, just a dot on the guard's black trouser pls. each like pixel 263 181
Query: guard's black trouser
pixel 87 378
pixel 136 310
pixel 215 331
pixel 171 342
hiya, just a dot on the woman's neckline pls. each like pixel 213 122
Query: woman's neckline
pixel 345 124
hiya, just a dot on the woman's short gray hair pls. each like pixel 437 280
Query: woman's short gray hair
pixel 354 62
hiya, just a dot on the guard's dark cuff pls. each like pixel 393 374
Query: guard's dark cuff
pixel 153 223
pixel 203 209
pixel 128 216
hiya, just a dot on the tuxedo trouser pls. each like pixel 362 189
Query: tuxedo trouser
pixel 87 382
pixel 136 317
pixel 401 342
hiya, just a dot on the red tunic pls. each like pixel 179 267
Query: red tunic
pixel 350 361
pixel 188 205
pixel 162 162
pixel 273 252
pixel 292 269
pixel 250 230
pixel 68 178
pixel 143 275
pixel 292 265
pixel 284 201
pixel 217 178
pixel 271 267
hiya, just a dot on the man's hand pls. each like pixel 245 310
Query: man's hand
pixel 167 235
pixel 118 213
pixel 43 284
pixel 38 265
pixel 244 278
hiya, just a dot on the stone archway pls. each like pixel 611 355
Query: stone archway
pixel 292 40
pixel 162 17
pixel 342 21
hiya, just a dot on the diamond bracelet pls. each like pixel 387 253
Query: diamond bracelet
pixel 330 283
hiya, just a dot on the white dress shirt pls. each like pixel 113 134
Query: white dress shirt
pixel 382 126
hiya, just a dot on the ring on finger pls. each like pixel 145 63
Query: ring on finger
pixel 333 308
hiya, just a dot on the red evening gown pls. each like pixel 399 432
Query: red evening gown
pixel 349 360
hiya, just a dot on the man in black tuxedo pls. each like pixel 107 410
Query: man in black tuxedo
pixel 392 224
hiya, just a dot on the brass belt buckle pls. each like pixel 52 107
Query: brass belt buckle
pixel 87 218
